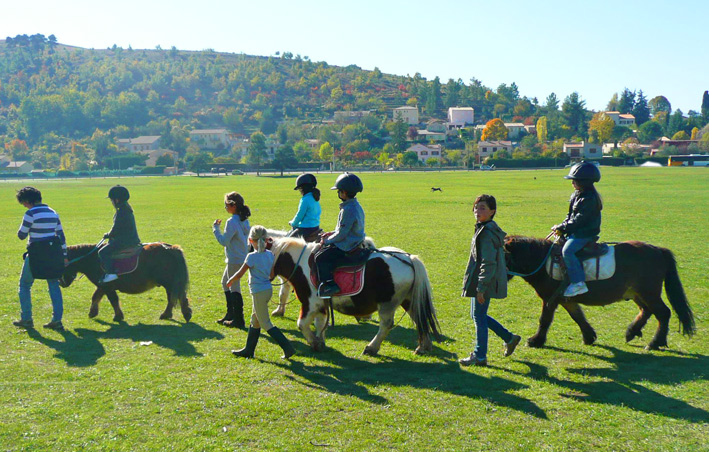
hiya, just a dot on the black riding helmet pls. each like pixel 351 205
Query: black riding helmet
pixel 305 179
pixel 584 171
pixel 349 183
pixel 119 193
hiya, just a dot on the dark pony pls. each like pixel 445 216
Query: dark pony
pixel 160 265
pixel 641 269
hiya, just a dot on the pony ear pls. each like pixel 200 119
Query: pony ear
pixel 269 243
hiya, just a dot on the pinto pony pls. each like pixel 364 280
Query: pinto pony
pixel 392 279
pixel 641 269
pixel 160 265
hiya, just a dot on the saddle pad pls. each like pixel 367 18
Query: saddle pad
pixel 123 265
pixel 349 279
pixel 605 270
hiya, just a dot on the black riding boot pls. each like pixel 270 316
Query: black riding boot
pixel 237 320
pixel 251 341
pixel 285 344
pixel 229 316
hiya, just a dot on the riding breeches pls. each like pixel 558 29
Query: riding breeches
pixel 259 315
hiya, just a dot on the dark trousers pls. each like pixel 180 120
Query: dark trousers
pixel 329 259
pixel 303 233
pixel 105 255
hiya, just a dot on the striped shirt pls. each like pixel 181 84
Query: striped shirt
pixel 41 223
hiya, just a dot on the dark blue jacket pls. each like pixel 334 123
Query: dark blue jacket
pixel 124 233
pixel 584 217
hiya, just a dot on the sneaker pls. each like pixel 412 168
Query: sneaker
pixel 511 345
pixel 24 323
pixel 109 277
pixel 56 326
pixel 472 361
pixel 576 289
pixel 328 289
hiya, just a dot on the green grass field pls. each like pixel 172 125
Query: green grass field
pixel 94 387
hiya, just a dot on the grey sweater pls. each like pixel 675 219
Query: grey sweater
pixel 234 239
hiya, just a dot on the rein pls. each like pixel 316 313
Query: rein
pixel 295 267
pixel 87 254
pixel 524 275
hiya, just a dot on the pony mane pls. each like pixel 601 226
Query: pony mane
pixel 531 244
pixel 286 243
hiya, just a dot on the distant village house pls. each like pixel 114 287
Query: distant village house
pixel 409 115
pixel 459 117
pixel 142 143
pixel 488 148
pixel 426 152
pixel 620 119
pixel 583 150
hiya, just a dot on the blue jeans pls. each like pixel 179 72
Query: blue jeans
pixel 574 268
pixel 25 292
pixel 482 322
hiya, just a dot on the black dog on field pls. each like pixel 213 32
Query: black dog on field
pixel 436 189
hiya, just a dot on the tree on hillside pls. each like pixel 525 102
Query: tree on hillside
pixel 675 123
pixel 574 114
pixel 284 158
pixel 649 132
pixel 398 130
pixel 681 135
pixel 494 130
pixel 600 129
pixel 658 104
pixel 705 105
pixel 552 104
pixel 627 101
pixel 641 111
pixel 199 163
pixel 452 96
pixel 325 152
pixel 695 134
pixel 613 103
pixel 433 97
pixel 410 159
pixel 257 150
pixel 542 130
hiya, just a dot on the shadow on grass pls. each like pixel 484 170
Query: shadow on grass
pixel 625 382
pixel 404 335
pixel 85 349
pixel 340 374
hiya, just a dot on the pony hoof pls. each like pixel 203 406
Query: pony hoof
pixel 277 313
pixel 629 336
pixel 370 352
pixel 165 316
pixel 590 340
pixel 422 351
pixel 187 314
pixel 319 345
pixel 93 313
pixel 534 343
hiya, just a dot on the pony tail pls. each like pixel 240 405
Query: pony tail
pixel 258 234
pixel 316 194
pixel 244 212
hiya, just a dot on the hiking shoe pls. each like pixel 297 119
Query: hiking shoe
pixel 56 326
pixel 472 361
pixel 511 345
pixel 576 289
pixel 24 323
pixel 109 277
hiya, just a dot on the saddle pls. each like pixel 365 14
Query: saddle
pixel 598 260
pixel 127 259
pixel 349 276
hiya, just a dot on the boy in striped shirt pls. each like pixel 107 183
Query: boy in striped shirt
pixel 40 223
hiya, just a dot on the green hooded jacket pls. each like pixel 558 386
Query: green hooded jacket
pixel 486 271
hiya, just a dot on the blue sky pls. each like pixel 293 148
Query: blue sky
pixel 596 48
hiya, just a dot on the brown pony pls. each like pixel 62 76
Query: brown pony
pixel 641 269
pixel 160 265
